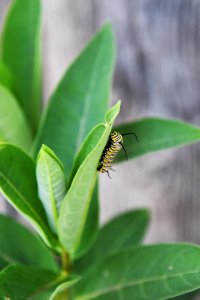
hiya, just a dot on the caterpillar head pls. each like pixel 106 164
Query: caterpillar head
pixel 116 137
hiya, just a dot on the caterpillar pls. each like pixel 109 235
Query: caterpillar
pixel 113 146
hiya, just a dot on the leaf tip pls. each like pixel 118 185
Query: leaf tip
pixel 107 27
pixel 113 112
pixel 146 214
pixel 106 32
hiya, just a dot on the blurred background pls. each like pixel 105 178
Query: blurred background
pixel 157 74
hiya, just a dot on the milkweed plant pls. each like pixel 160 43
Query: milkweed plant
pixel 49 159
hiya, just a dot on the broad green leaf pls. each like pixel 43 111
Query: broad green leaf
pixel 51 184
pixel 92 222
pixel 21 282
pixel 145 272
pixel 20 50
pixel 80 100
pixel 18 185
pixel 19 245
pixel 121 233
pixel 74 208
pixel 13 126
pixel 6 77
pixel 155 134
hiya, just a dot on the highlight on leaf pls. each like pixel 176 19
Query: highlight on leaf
pixel 51 183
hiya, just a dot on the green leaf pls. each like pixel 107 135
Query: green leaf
pixel 18 185
pixel 20 50
pixel 13 126
pixel 6 77
pixel 148 272
pixel 74 208
pixel 121 233
pixel 91 228
pixel 189 296
pixel 62 290
pixel 51 184
pixel 80 100
pixel 155 134
pixel 19 245
pixel 88 145
pixel 21 282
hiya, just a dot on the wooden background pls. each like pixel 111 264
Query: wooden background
pixel 157 74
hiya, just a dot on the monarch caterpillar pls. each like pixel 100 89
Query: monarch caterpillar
pixel 113 146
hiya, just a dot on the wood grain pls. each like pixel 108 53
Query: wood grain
pixel 157 74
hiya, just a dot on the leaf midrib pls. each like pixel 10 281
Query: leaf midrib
pixel 51 194
pixel 46 286
pixel 8 258
pixel 133 283
pixel 37 218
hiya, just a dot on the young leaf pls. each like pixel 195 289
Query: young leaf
pixel 13 126
pixel 147 272
pixel 74 208
pixel 18 185
pixel 62 290
pixel 155 134
pixel 80 100
pixel 119 234
pixel 21 52
pixel 92 220
pixel 87 146
pixel 20 245
pixel 6 77
pixel 51 184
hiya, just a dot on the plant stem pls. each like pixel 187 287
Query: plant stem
pixel 65 262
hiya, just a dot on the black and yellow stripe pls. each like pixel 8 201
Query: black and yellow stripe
pixel 114 145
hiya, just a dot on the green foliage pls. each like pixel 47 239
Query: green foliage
pixel 155 134
pixel 57 193
pixel 80 100
pixel 18 185
pixel 75 206
pixel 38 280
pixel 119 234
pixel 20 51
pixel 61 292
pixel 91 227
pixel 13 126
pixel 51 184
pixel 13 277
pixel 6 77
pixel 147 272
pixel 19 245
pixel 188 296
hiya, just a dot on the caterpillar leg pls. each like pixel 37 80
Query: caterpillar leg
pixel 113 170
pixel 108 174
